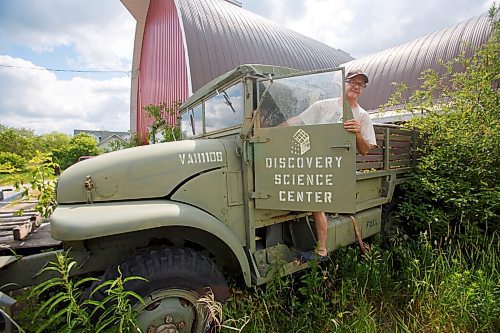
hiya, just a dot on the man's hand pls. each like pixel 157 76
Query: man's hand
pixel 352 126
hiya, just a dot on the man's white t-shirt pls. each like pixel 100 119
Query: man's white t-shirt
pixel 329 111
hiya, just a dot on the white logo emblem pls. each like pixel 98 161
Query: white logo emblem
pixel 300 143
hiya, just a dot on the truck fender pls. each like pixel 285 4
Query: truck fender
pixel 80 222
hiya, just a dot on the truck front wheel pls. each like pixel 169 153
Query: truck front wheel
pixel 176 278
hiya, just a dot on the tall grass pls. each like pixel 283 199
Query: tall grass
pixel 413 286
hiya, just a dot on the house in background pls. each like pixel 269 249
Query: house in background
pixel 106 139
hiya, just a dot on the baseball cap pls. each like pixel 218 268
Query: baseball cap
pixel 355 72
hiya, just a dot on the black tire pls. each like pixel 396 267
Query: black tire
pixel 388 227
pixel 176 278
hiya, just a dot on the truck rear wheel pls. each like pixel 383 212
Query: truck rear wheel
pixel 176 279
pixel 388 227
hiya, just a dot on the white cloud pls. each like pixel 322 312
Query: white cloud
pixel 101 32
pixel 36 99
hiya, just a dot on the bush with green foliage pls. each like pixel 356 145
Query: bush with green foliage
pixel 457 182
pixel 80 145
pixel 65 149
pixel 51 141
pixel 12 159
pixel 157 113
pixel 39 175
pixel 17 141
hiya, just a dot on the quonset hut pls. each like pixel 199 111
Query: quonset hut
pixel 405 62
pixel 182 44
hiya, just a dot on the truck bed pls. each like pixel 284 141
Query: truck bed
pixel 396 150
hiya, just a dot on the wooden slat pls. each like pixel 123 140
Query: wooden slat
pixel 395 144
pixel 398 131
pixel 7 225
pixel 399 157
pixel 381 136
pixel 15 213
pixel 369 165
pixel 369 158
pixel 394 153
pixel 4 220
pixel 399 154
pixel 400 151
pixel 19 227
pixel 399 144
pixel 397 164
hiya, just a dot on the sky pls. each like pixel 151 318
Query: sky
pixel 65 64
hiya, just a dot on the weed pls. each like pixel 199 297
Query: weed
pixel 61 309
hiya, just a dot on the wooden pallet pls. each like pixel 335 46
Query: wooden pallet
pixel 19 226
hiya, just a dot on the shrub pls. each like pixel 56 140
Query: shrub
pixel 12 159
pixel 39 175
pixel 80 145
pixel 456 184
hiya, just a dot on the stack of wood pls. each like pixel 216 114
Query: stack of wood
pixel 19 226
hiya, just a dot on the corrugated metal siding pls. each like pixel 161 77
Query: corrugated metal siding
pixel 221 36
pixel 163 76
pixel 405 63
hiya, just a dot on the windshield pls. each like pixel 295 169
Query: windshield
pixel 287 98
pixel 224 109
pixel 192 122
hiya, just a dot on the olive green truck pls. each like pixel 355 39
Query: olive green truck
pixel 233 194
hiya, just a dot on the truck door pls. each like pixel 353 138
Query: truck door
pixel 306 167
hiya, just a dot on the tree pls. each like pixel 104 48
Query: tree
pixel 80 145
pixel 157 114
pixel 51 141
pixel 457 182
pixel 17 141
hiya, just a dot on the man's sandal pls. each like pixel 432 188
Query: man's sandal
pixel 312 255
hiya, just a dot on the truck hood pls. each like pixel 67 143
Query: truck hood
pixel 139 173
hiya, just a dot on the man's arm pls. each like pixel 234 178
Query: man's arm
pixel 362 145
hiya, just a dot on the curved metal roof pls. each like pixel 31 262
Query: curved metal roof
pixel 220 36
pixel 405 62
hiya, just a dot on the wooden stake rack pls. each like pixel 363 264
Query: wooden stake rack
pixel 19 226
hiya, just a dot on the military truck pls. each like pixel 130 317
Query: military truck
pixel 234 195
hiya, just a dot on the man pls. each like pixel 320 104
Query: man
pixel 330 111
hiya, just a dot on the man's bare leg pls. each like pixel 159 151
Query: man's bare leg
pixel 321 225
